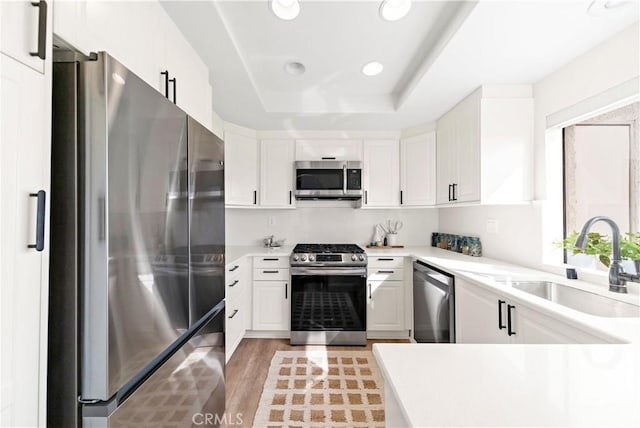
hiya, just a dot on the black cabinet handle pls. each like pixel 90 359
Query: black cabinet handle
pixel 233 284
pixel 449 197
pixel 510 332
pixel 166 82
pixel 270 271
pixel 235 268
pixel 455 196
pixel 233 314
pixel 500 325
pixel 40 214
pixel 174 88
pixel 369 290
pixel 401 197
pixel 385 271
pixel 255 197
pixel 328 158
pixel 382 259
pixel 286 290
pixel 42 29
pixel 366 197
pixel 270 259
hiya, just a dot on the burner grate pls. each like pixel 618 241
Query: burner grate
pixel 328 248
pixel 324 310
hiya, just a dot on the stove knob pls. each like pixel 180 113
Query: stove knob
pixel 361 257
pixel 312 258
pixel 354 258
pixel 303 258
pixel 295 258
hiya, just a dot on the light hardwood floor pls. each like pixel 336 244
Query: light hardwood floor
pixel 247 371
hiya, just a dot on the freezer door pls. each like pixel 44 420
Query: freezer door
pixel 135 293
pixel 206 220
pixel 186 391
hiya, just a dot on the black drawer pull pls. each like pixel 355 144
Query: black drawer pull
pixel 270 271
pixel 290 196
pixel 384 260
pixel 235 268
pixel 455 192
pixel 235 311
pixel 500 325
pixel 255 197
pixel 233 284
pixel 328 158
pixel 386 271
pixel 270 260
pixel 401 197
pixel 510 332
pixel 42 30
pixel 40 217
pixel 286 290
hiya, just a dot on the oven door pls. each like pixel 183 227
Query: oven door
pixel 328 305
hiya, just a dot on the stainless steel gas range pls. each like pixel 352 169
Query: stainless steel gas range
pixel 328 295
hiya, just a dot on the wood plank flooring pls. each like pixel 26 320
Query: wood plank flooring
pixel 247 371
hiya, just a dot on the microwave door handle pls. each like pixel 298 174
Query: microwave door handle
pixel 344 178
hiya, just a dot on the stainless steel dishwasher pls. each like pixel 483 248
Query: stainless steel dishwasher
pixel 433 305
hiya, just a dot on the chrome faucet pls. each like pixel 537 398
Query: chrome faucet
pixel 617 276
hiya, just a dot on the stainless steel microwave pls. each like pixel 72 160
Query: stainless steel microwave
pixel 329 179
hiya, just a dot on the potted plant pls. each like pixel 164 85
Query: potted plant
pixel 600 246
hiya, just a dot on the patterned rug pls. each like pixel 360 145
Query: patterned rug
pixel 322 389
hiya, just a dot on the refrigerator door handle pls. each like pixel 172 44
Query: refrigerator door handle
pixel 40 218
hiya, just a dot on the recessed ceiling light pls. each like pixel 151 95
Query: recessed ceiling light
pixel 295 68
pixel 285 9
pixel 392 10
pixel 602 7
pixel 372 68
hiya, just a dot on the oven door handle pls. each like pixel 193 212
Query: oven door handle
pixel 300 271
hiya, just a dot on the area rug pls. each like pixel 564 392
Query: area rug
pixel 322 389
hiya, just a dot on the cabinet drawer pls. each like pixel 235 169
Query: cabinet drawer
pixel 385 274
pixel 270 274
pixel 271 262
pixel 385 262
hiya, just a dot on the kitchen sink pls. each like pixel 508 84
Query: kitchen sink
pixel 580 300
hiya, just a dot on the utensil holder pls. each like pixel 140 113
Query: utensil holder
pixel 392 239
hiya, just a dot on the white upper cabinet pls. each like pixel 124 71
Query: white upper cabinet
pixel 485 147
pixel 276 173
pixel 381 175
pixel 418 170
pixel 313 150
pixel 144 39
pixel 241 169
pixel 25 32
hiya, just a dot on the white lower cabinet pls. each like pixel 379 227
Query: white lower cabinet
pixel 271 294
pixel 238 303
pixel 385 303
pixel 486 317
pixel 385 294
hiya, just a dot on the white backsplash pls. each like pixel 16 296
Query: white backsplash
pixel 327 225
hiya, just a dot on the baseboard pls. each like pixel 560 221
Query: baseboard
pixel 259 334
pixel 404 334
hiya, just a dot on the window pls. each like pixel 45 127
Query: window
pixel 602 172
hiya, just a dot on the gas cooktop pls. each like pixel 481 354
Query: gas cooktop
pixel 328 255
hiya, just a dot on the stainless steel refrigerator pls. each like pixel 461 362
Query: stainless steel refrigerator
pixel 137 255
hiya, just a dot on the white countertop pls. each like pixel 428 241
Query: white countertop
pixel 235 252
pixel 513 385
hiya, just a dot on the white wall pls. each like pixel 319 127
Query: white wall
pixel 521 236
pixel 327 225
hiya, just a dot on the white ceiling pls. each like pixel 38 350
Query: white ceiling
pixel 433 57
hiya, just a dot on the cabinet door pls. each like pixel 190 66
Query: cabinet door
pixel 276 173
pixel 25 158
pixel 445 158
pixel 418 170
pixel 381 173
pixel 313 150
pixel 385 303
pixel 467 151
pixel 19 31
pixel 477 315
pixel 271 309
pixel 241 176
